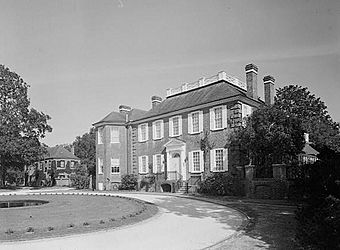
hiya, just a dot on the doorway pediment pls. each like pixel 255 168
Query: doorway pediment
pixel 173 143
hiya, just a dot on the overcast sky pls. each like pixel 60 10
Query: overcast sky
pixel 84 58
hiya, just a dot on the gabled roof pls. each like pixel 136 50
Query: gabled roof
pixel 114 116
pixel 214 92
pixel 309 150
pixel 59 152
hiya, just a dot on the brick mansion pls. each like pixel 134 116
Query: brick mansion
pixel 166 140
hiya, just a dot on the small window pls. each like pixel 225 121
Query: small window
pixel 195 122
pixel 100 166
pixel 157 127
pixel 158 165
pixel 114 134
pixel 175 126
pixel 100 135
pixel 143 164
pixel 114 166
pixel 218 117
pixel 143 132
pixel 72 164
pixel 196 163
pixel 60 164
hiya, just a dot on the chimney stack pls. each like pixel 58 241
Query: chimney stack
pixel 123 109
pixel 268 82
pixel 251 79
pixel 155 100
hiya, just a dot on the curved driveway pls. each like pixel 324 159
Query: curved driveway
pixel 180 224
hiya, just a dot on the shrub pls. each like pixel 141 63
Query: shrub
pixel 128 182
pixel 219 184
pixel 71 225
pixel 101 222
pixel 50 228
pixel 80 179
pixel 30 230
pixel 9 231
pixel 86 224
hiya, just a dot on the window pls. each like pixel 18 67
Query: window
pixel 218 117
pixel 114 166
pixel 196 161
pixel 114 134
pixel 100 166
pixel 158 129
pixel 218 160
pixel 72 164
pixel 195 122
pixel 175 126
pixel 60 164
pixel 100 135
pixel 158 165
pixel 246 111
pixel 143 132
pixel 143 164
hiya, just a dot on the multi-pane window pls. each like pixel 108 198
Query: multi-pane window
pixel 195 122
pixel 72 164
pixel 157 129
pixel 246 111
pixel 114 166
pixel 60 164
pixel 218 160
pixel 100 166
pixel 143 132
pixel 100 135
pixel 175 126
pixel 157 163
pixel 218 117
pixel 196 161
pixel 114 134
pixel 143 164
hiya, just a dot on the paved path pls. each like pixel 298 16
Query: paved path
pixel 180 224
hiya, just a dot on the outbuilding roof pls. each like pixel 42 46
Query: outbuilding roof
pixel 59 152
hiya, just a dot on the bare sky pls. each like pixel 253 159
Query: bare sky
pixel 84 58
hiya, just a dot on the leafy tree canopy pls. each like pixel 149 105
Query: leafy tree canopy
pixel 299 102
pixel 85 149
pixel 21 126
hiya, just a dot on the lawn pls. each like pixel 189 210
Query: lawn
pixel 69 214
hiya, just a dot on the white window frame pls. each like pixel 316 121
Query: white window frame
pixel 114 164
pixel 100 166
pixel 213 160
pixel 100 135
pixel 61 166
pixel 72 164
pixel 171 126
pixel 141 170
pixel 156 167
pixel 224 117
pixel 247 110
pixel 154 130
pixel 191 161
pixel 191 124
pixel 114 134
pixel 140 134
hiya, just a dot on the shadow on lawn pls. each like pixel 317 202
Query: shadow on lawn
pixel 268 226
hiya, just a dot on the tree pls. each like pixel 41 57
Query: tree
pixel 85 149
pixel 270 136
pixel 21 126
pixel 80 179
pixel 299 102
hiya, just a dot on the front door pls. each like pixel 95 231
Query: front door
pixel 174 166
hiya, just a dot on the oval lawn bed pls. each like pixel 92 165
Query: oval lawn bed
pixel 69 214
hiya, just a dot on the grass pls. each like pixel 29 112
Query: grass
pixel 88 213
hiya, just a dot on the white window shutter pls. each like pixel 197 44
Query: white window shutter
pixel 154 130
pixel 162 129
pixel 147 164
pixel 170 127
pixel 212 159
pixel 180 125
pixel 191 165
pixel 212 119
pixel 224 116
pixel 147 132
pixel 225 159
pixel 201 161
pixel 139 133
pixel 190 123
pixel 154 164
pixel 162 163
pixel 200 119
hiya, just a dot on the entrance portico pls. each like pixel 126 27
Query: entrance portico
pixel 176 163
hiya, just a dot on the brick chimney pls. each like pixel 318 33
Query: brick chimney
pixel 251 79
pixel 155 100
pixel 123 109
pixel 268 82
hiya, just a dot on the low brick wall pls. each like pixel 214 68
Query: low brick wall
pixel 267 188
